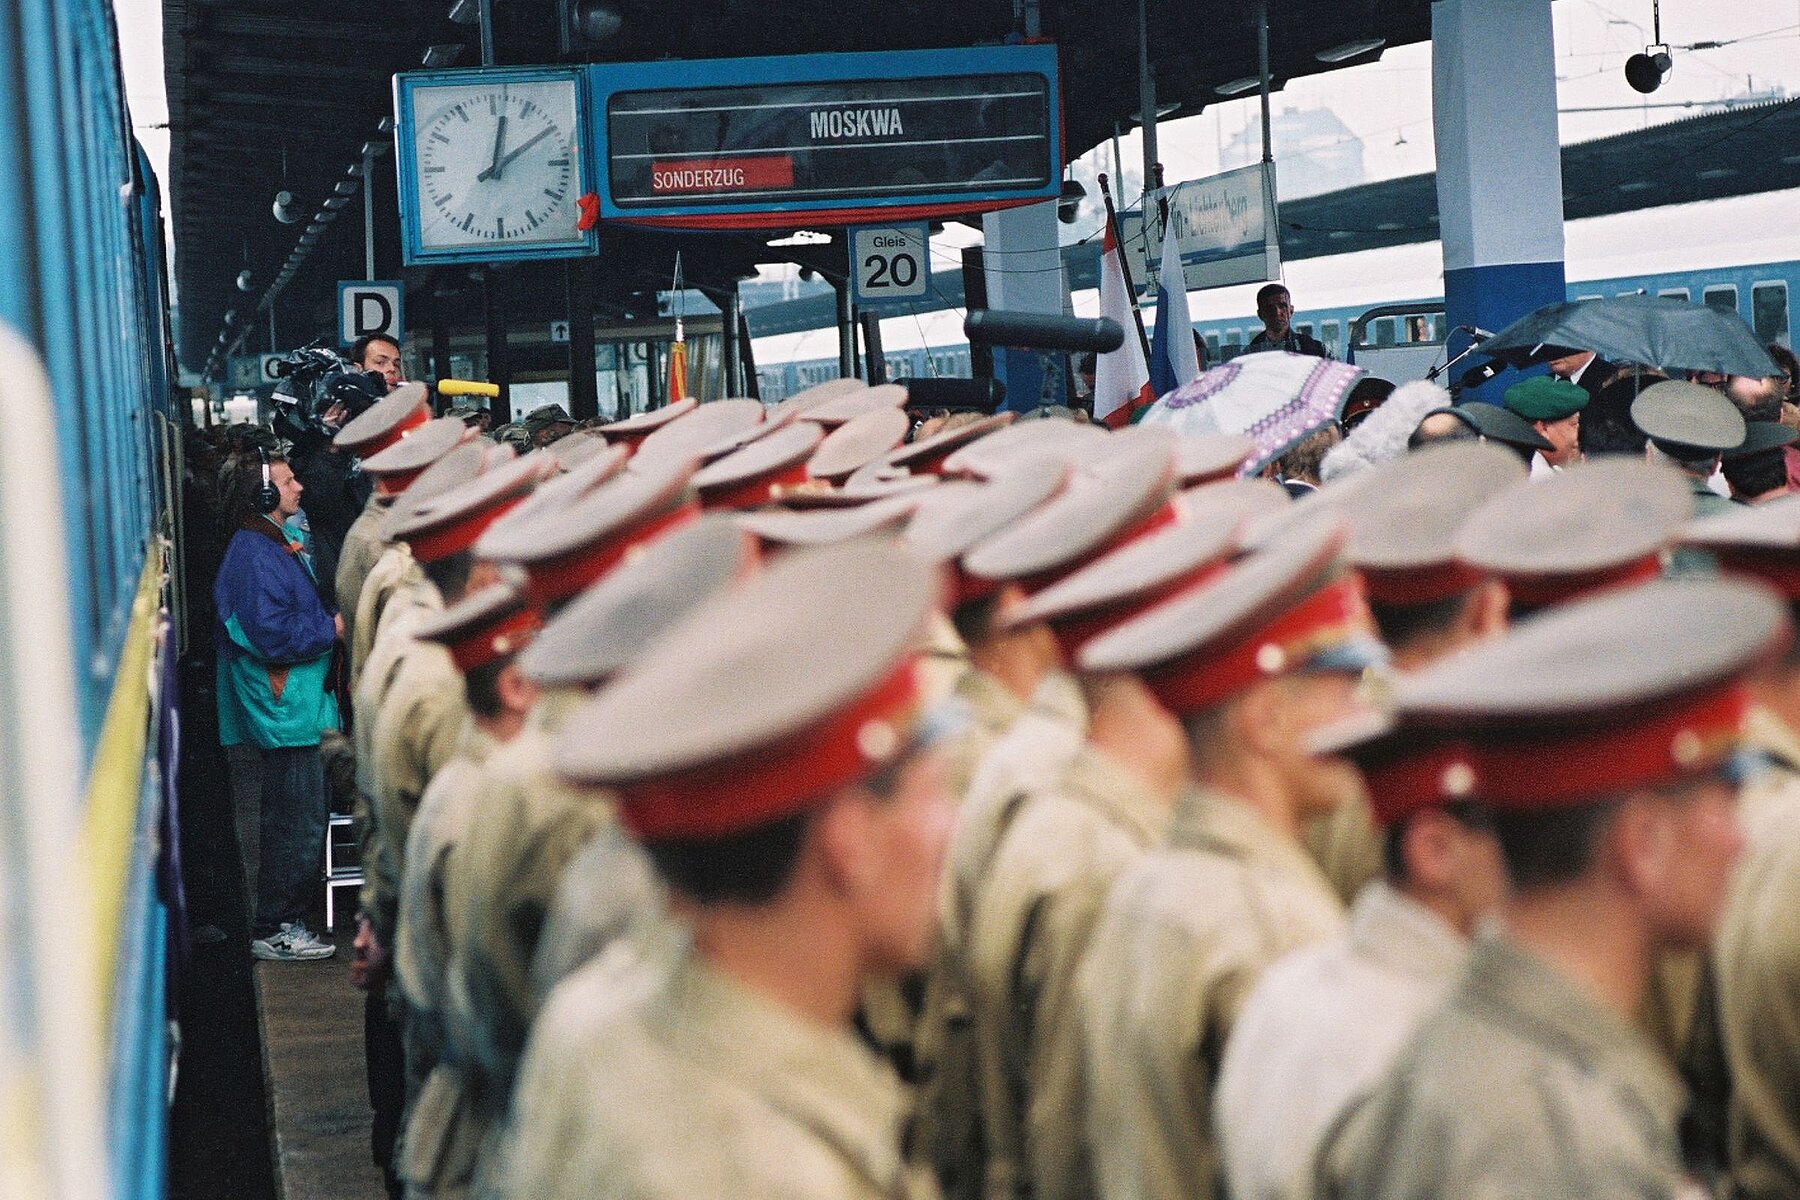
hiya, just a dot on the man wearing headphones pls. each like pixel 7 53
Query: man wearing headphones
pixel 275 637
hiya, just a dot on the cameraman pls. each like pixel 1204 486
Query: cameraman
pixel 378 354
pixel 335 491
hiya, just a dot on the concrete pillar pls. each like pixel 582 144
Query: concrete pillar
pixel 1499 164
pixel 1022 265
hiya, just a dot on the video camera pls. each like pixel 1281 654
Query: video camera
pixel 315 378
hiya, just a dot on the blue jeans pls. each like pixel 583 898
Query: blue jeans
pixel 294 813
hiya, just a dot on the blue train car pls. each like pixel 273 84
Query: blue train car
pixel 89 470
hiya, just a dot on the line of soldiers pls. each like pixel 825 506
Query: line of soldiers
pixel 759 804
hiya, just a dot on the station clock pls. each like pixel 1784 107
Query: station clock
pixel 492 164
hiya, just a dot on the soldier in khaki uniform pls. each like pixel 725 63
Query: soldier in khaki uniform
pixel 380 426
pixel 504 874
pixel 772 755
pixel 483 636
pixel 1603 769
pixel 1252 663
pixel 415 732
pixel 1029 873
pixel 1744 1065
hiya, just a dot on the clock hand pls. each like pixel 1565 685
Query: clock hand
pixel 507 161
pixel 499 141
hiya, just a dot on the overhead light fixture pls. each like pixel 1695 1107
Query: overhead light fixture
pixel 1345 51
pixel 345 188
pixel 243 280
pixel 354 171
pixel 284 208
pixel 317 227
pixel 1068 205
pixel 1636 185
pixel 371 149
pixel 336 202
pixel 385 125
pixel 801 237
pixel 1717 173
pixel 444 54
pixel 1237 87
pixel 466 12
pixel 594 21
pixel 329 214
pixel 1162 110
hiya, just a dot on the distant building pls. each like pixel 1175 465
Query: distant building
pixel 1314 152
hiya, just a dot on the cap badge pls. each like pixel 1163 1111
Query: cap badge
pixel 1458 779
pixel 1270 658
pixel 877 741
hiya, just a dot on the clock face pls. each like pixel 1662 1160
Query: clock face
pixel 497 165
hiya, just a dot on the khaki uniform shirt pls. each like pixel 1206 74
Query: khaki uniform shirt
pixel 1319 1031
pixel 703 1090
pixel 1523 1086
pixel 1030 755
pixel 609 891
pixel 395 572
pixel 362 546
pixel 417 731
pixel 1756 962
pixel 1030 917
pixel 1185 935
pixel 1347 847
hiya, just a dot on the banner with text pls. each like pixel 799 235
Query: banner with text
pixel 1225 227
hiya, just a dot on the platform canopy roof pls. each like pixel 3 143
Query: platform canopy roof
pixel 273 94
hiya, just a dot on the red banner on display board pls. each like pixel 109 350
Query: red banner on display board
pixel 709 175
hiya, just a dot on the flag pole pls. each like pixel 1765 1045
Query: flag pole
pixel 1112 220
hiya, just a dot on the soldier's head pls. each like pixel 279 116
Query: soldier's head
pixel 442 531
pixel 1603 769
pixel 485 633
pixel 1255 661
pixel 773 754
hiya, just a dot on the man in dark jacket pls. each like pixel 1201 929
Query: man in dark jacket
pixel 275 635
pixel 1276 308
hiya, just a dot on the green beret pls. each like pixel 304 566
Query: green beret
pixel 1545 398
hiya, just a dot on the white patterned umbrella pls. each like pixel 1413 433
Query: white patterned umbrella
pixel 1275 398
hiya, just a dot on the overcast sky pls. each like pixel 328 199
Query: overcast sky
pixel 1386 103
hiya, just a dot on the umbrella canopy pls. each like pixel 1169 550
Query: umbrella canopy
pixel 1671 335
pixel 1274 398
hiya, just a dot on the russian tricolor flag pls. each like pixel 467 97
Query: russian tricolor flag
pixel 1173 360
pixel 1121 380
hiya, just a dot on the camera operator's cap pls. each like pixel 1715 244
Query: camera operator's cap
pixel 779 530
pixel 400 465
pixel 1760 542
pixel 766 700
pixel 1496 424
pixel 455 521
pixel 606 627
pixel 1211 457
pixel 1292 607
pixel 632 431
pixel 1124 496
pixel 567 549
pixel 1599 524
pixel 448 473
pixel 1687 420
pixel 839 409
pixel 1137 577
pixel 1761 437
pixel 708 431
pixel 386 421
pixel 1545 398
pixel 928 454
pixel 579 447
pixel 753 476
pixel 483 627
pixel 1407 513
pixel 1072 442
pixel 858 442
pixel 1635 689
pixel 810 398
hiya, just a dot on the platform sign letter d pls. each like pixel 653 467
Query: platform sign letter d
pixel 369 306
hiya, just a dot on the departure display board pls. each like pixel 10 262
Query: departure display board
pixel 827 139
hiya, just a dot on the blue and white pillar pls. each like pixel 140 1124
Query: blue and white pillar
pixel 1499 159
pixel 1022 261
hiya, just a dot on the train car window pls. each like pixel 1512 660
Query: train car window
pixel 1595 296
pixel 1769 312
pixel 1721 296
pixel 1330 337
pixel 1384 331
pixel 1212 347
pixel 1673 293
pixel 1305 329
pixel 1234 345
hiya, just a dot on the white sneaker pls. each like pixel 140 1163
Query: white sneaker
pixel 292 943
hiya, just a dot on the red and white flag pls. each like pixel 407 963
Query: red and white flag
pixel 1121 377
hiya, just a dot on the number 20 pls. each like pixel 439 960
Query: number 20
pixel 902 270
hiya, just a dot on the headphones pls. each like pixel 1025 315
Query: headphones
pixel 267 498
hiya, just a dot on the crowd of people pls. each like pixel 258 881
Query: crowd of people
pixel 802 801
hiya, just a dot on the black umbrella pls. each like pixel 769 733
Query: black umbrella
pixel 1671 335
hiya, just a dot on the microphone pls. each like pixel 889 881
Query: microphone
pixel 1043 331
pixel 1477 376
pixel 1476 333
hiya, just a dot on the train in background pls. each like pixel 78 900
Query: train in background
pixel 1397 294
